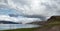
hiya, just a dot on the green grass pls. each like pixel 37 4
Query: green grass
pixel 51 24
pixel 54 23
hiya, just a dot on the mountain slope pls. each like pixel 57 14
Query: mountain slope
pixel 53 24
pixel 8 22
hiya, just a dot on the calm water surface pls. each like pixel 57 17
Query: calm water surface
pixel 15 26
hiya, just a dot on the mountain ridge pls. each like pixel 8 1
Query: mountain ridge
pixel 7 22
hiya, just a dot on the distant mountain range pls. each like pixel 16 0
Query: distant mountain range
pixel 8 22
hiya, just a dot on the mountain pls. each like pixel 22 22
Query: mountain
pixel 8 22
pixel 54 18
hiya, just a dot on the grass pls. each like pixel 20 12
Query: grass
pixel 51 24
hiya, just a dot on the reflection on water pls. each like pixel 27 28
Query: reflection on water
pixel 15 26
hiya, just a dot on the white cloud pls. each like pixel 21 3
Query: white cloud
pixel 31 7
pixel 47 8
pixel 35 7
pixel 6 18
pixel 18 19
pixel 27 20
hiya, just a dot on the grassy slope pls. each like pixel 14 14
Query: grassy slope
pixel 51 23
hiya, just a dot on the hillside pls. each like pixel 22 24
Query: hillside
pixel 54 18
pixel 38 22
pixel 53 24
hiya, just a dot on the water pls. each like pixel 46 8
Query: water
pixel 15 26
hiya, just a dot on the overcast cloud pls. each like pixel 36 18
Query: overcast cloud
pixel 41 9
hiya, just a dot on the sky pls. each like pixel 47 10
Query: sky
pixel 29 10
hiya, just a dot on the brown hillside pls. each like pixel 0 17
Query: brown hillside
pixel 53 24
pixel 54 18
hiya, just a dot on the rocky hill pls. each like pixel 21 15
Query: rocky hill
pixel 54 18
pixel 53 24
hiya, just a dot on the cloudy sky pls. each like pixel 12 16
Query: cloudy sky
pixel 29 10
